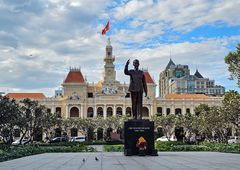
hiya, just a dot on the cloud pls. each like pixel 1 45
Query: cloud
pixel 180 15
pixel 41 39
pixel 207 55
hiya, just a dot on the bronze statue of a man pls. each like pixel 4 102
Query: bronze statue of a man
pixel 136 87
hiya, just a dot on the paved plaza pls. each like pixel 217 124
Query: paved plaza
pixel 117 161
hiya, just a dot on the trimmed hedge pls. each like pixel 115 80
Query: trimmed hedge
pixel 20 151
pixel 179 146
pixel 167 146
pixel 221 147
pixel 113 148
pixel 70 143
pixel 218 147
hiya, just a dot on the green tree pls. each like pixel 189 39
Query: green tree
pixel 168 124
pixel 49 122
pixel 30 111
pixel 114 122
pixel 212 123
pixel 203 129
pixel 202 108
pixel 233 61
pixel 36 119
pixel 10 118
pixel 231 109
pixel 190 124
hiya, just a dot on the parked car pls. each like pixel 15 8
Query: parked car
pixel 78 139
pixel 17 142
pixel 165 139
pixel 234 139
pixel 58 139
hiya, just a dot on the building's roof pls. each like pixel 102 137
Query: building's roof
pixel 148 78
pixel 186 96
pixel 170 63
pixel 197 74
pixel 74 76
pixel 26 95
pixel 188 77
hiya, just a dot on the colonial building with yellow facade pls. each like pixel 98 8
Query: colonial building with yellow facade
pixel 109 97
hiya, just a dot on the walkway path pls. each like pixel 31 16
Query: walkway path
pixel 116 161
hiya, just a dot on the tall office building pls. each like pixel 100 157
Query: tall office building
pixel 177 79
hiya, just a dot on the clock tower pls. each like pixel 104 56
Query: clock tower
pixel 109 68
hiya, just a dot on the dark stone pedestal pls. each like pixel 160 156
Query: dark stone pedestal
pixel 133 130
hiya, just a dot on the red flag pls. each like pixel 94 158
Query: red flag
pixel 106 28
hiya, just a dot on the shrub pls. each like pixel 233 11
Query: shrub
pixel 113 148
pixel 20 151
pixel 166 146
pixel 97 142
pixel 204 146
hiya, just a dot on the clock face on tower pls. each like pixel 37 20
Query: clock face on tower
pixel 108 90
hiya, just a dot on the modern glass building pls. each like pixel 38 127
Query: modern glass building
pixel 177 79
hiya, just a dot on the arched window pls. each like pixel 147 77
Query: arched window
pixel 109 111
pixel 168 111
pixel 159 132
pixel 90 112
pixel 119 111
pixel 48 110
pixel 159 111
pixel 119 131
pixel 179 133
pixel 109 131
pixel 74 112
pixel 145 112
pixel 187 110
pixel 100 111
pixel 58 132
pixel 178 111
pixel 59 111
pixel 90 134
pixel 99 133
pixel 74 132
pixel 128 112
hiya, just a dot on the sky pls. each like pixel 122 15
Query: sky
pixel 41 39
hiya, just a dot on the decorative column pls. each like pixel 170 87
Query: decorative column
pixel 192 108
pixel 124 110
pixel 104 111
pixel 114 110
pixel 95 111
pixel 151 110
pixel 183 107
pixel 164 109
pixel 172 108
pixel 53 109
pixel 66 115
pixel 81 115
